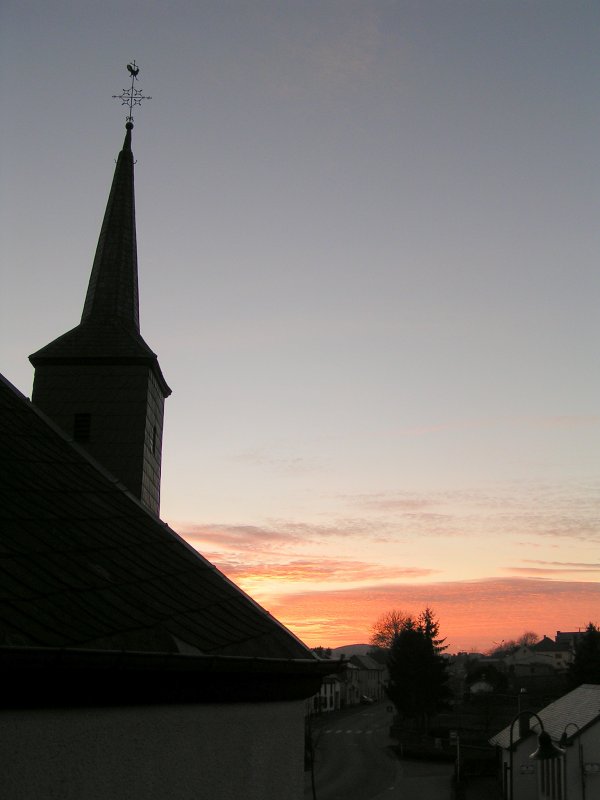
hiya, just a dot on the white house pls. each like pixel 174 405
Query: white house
pixel 545 653
pixel 573 723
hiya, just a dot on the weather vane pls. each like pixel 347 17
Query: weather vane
pixel 131 97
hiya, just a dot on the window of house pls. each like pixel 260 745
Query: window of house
pixel 82 426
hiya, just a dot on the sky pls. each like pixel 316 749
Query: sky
pixel 368 256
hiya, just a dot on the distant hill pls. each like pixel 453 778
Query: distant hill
pixel 349 650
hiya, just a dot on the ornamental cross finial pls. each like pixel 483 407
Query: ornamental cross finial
pixel 131 97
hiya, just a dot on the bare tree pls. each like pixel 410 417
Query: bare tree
pixel 507 646
pixel 528 639
pixel 388 627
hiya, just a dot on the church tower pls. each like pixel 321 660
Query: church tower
pixel 100 382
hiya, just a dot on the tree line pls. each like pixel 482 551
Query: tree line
pixel 418 670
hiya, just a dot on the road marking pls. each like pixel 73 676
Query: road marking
pixel 340 730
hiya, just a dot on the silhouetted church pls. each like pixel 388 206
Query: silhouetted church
pixel 100 381
pixel 131 667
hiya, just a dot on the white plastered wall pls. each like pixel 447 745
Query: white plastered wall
pixel 183 752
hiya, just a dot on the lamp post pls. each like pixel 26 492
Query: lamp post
pixel 546 750
pixel 563 742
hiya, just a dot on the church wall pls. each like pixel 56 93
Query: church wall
pixel 185 752
pixel 155 407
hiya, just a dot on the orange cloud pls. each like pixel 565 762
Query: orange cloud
pixel 550 568
pixel 472 614
pixel 317 571
pixel 239 537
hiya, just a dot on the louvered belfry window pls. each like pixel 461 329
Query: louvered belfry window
pixel 82 427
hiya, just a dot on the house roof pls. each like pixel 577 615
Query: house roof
pixel 578 710
pixel 366 662
pixel 547 645
pixel 84 565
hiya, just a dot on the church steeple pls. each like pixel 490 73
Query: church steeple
pixel 100 381
pixel 113 286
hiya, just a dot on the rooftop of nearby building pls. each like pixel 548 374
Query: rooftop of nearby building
pixel 366 662
pixel 578 710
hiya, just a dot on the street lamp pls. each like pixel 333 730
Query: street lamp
pixel 563 742
pixel 546 750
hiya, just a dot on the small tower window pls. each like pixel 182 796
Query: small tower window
pixel 82 425
pixel 154 440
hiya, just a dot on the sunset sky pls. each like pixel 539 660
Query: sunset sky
pixel 368 242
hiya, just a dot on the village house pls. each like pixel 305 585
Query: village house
pixel 573 725
pixel 554 655
pixel 371 677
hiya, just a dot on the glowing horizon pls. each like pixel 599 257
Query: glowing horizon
pixel 423 551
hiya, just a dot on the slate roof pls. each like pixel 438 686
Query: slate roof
pixel 366 662
pixel 581 707
pixel 113 286
pixel 106 339
pixel 84 565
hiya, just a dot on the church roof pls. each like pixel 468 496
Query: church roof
pixel 83 565
pixel 109 330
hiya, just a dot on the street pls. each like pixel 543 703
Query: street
pixel 353 761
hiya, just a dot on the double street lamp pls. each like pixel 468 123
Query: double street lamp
pixel 546 751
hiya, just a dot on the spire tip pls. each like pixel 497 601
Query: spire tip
pixel 131 97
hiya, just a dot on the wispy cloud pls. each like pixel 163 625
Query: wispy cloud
pixel 319 571
pixel 549 568
pixel 239 538
pixel 510 509
pixel 569 421
pixel 250 554
pixel 287 465
pixel 281 534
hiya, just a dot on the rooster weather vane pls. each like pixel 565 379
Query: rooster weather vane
pixel 131 97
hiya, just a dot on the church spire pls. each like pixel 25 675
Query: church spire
pixel 100 381
pixel 113 286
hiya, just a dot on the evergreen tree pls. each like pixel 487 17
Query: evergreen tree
pixel 431 629
pixel 418 683
pixel 586 664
